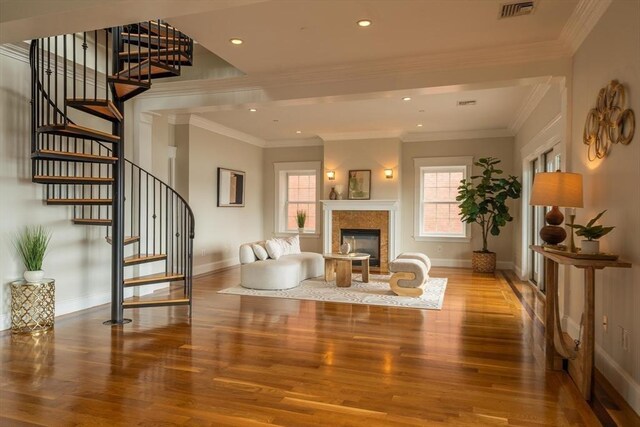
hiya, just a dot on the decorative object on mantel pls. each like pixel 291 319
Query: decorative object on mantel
pixel 359 184
pixel 332 194
pixel 592 232
pixel 31 244
pixel 301 218
pixel 485 204
pixel 556 189
pixel 231 185
pixel 609 122
pixel 339 189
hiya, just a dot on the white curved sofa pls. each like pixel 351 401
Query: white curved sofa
pixel 286 272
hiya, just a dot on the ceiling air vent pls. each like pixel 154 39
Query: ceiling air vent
pixel 465 103
pixel 510 10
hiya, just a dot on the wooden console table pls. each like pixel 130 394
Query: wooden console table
pixel 558 344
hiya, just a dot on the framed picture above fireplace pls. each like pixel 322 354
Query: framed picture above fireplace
pixel 359 184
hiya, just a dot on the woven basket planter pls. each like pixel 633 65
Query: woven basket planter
pixel 483 262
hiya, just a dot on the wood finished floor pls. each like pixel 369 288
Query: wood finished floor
pixel 248 361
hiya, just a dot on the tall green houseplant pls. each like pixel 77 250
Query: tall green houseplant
pixel 483 198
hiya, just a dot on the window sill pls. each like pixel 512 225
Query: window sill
pixel 306 235
pixel 448 239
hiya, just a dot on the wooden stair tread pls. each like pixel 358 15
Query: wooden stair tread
pixel 153 278
pixel 140 303
pixel 76 131
pixel 140 258
pixel 91 221
pixel 156 28
pixel 127 239
pixel 79 202
pixel 80 180
pixel 142 69
pixel 71 156
pixel 103 108
pixel 154 40
pixel 124 89
pixel 165 55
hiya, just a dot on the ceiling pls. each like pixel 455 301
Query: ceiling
pixel 496 109
pixel 293 39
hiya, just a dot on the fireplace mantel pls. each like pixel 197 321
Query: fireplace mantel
pixel 392 206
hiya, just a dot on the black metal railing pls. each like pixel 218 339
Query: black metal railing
pixel 78 67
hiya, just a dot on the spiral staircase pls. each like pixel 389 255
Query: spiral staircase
pixel 81 162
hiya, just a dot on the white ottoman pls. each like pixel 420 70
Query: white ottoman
pixel 410 276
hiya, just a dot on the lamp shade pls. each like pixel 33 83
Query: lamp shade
pixel 560 189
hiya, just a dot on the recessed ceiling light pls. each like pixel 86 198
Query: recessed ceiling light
pixel 420 125
pixel 420 111
pixel 467 103
pixel 406 98
pixel 298 131
pixel 253 110
pixel 276 120
pixel 236 41
pixel 364 23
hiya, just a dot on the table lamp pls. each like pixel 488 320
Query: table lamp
pixel 556 189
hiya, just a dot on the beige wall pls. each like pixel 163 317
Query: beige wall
pixel 458 253
pixel 374 154
pixel 160 148
pixel 220 231
pixel 287 154
pixel 612 51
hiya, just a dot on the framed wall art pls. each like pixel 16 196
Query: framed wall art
pixel 359 185
pixel 231 185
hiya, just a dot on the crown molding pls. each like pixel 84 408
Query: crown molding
pixel 302 142
pixel 18 51
pixel 530 103
pixel 456 135
pixel 585 16
pixel 373 134
pixel 211 126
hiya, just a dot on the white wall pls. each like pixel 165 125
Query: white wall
pixel 611 51
pixel 79 258
pixel 456 254
pixel 220 231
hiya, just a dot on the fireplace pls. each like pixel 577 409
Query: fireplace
pixel 363 241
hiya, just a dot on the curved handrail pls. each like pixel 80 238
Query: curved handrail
pixel 32 52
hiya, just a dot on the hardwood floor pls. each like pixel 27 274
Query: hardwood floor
pixel 249 361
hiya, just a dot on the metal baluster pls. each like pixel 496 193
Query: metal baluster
pixel 106 64
pixel 84 65
pixel 55 82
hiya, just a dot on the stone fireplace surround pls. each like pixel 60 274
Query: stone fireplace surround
pixel 366 214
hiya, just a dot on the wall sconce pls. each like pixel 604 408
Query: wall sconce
pixel 388 173
pixel 331 175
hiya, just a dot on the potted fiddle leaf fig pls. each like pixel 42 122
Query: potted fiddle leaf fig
pixel 483 201
pixel 301 218
pixel 31 245
pixel 592 233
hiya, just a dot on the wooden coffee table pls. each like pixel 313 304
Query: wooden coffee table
pixel 338 267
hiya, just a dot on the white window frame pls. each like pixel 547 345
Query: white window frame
pixel 282 170
pixel 437 164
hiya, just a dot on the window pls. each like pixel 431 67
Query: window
pixel 297 188
pixel 437 212
pixel 301 196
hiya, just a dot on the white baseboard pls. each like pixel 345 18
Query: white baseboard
pixel 81 303
pixel 628 388
pixel 519 272
pixel 214 266
pixel 466 263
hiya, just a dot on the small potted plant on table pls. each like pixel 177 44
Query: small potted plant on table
pixel 592 233
pixel 301 218
pixel 31 245
pixel 485 203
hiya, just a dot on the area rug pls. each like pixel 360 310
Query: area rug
pixel 376 292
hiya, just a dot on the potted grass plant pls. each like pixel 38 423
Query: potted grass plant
pixel 301 218
pixel 592 233
pixel 483 201
pixel 31 245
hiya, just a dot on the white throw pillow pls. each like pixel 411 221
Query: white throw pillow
pixel 260 251
pixel 274 248
pixel 246 254
pixel 293 244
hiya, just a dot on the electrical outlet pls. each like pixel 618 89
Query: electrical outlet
pixel 605 322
